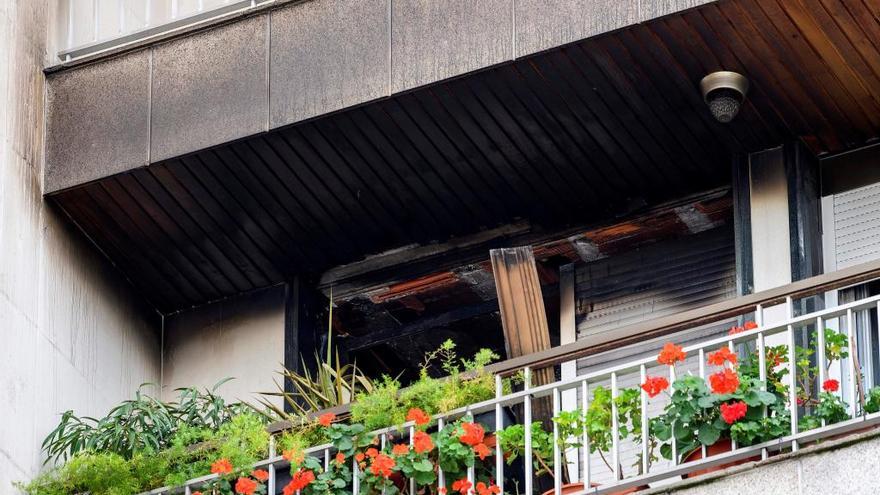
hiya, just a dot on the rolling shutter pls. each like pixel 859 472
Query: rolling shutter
pixel 855 226
pixel 656 280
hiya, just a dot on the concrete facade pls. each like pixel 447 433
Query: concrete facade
pixel 242 338
pixel 74 334
pixel 843 467
pixel 293 61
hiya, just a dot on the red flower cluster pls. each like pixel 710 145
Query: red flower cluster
pixel 422 442
pixel 245 486
pixel 482 450
pixel 326 418
pixel 732 412
pixel 222 466
pixel 400 449
pixel 724 382
pixel 722 355
pixel 299 481
pixel 830 385
pixel 359 457
pixel 473 434
pixel 340 458
pixel 654 385
pixel 260 474
pixel 490 489
pixel 382 465
pixel 418 416
pixel 671 354
pixel 372 452
pixel 462 486
pixel 749 325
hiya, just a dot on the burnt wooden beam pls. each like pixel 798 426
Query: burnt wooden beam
pixel 422 325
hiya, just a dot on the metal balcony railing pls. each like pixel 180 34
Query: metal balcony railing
pixel 94 26
pixel 780 319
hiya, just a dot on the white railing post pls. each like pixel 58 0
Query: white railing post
pixel 854 360
pixel 499 425
pixel 557 457
pixel 527 413
pixel 441 478
pixel 762 376
pixel 702 357
pixel 270 484
pixel 585 405
pixel 646 427
pixel 820 355
pixel 615 429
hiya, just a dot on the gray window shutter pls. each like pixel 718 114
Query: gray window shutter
pixel 855 227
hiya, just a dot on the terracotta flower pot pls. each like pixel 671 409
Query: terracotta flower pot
pixel 721 446
pixel 577 487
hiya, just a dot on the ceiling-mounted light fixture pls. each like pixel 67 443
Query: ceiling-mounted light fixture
pixel 724 92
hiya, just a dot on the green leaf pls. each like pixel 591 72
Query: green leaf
pixel 708 434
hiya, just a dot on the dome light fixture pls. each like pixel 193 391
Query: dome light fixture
pixel 724 92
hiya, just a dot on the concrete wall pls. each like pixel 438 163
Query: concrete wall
pixel 241 338
pixel 71 334
pixel 290 62
pixel 843 467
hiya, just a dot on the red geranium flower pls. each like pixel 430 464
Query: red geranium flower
pixel 483 489
pixel 245 486
pixel 654 385
pixel 326 418
pixel 418 416
pixel 482 450
pixel 735 330
pixel 422 442
pixel 830 385
pixel 400 449
pixel 382 465
pixel 462 486
pixel 222 466
pixel 750 325
pixel 671 354
pixel 340 458
pixel 473 434
pixel 442 490
pixel 722 355
pixel 359 456
pixel 724 382
pixel 299 481
pixel 196 493
pixel 260 474
pixel 372 452
pixel 732 412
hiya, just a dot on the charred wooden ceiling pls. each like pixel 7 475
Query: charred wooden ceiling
pixel 590 131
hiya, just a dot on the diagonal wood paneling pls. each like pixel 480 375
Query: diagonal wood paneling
pixel 565 137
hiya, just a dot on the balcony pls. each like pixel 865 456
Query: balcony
pixel 834 367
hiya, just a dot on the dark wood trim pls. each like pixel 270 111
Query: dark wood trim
pixel 742 225
pixel 805 217
pixel 850 170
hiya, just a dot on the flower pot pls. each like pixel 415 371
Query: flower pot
pixel 721 446
pixel 578 487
